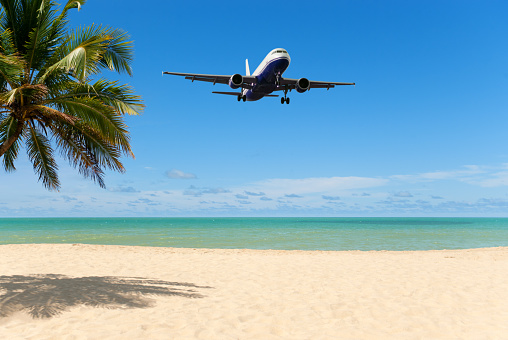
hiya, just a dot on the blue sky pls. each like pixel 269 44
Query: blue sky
pixel 423 133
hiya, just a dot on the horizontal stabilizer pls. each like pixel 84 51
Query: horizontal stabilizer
pixel 229 93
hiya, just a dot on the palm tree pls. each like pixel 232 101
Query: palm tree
pixel 51 96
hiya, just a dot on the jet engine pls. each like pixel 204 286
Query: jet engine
pixel 235 81
pixel 302 85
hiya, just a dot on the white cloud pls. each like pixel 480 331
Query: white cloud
pixel 68 198
pixel 197 192
pixel 330 198
pixel 122 188
pixel 497 179
pixel 178 174
pixel 403 194
pixel 468 171
pixel 254 193
pixel 318 185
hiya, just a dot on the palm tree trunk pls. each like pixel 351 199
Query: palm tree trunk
pixel 9 141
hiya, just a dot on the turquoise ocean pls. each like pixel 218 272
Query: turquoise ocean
pixel 263 233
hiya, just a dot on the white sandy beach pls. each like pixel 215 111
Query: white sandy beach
pixel 116 292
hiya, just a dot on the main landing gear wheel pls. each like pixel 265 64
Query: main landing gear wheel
pixel 240 97
pixel 285 98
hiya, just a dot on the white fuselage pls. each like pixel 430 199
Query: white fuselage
pixel 268 72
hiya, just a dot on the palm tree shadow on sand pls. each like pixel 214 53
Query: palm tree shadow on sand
pixel 44 296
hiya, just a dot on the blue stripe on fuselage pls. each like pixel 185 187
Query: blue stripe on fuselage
pixel 266 79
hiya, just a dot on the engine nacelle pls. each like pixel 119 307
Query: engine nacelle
pixel 235 81
pixel 302 85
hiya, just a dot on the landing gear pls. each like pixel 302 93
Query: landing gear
pixel 240 97
pixel 285 98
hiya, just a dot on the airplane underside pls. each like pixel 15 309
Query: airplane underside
pixel 268 81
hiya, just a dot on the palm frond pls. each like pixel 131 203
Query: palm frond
pixel 10 19
pixel 11 69
pixel 8 127
pixel 40 154
pixel 103 153
pixel 48 115
pixel 58 31
pixel 119 51
pixel 36 45
pixel 6 41
pixel 111 93
pixel 73 149
pixel 35 92
pixel 80 54
pixel 100 117
pixel 21 18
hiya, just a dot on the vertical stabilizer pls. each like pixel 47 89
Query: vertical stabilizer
pixel 247 70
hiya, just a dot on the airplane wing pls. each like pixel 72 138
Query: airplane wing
pixel 248 81
pixel 291 84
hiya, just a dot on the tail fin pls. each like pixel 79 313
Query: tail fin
pixel 247 70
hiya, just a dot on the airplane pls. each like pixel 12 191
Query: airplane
pixel 266 79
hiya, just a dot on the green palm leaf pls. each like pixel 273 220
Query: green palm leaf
pixel 121 97
pixel 7 127
pixel 101 118
pixel 73 149
pixel 40 154
pixel 118 54
pixel 80 54
pixel 11 69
